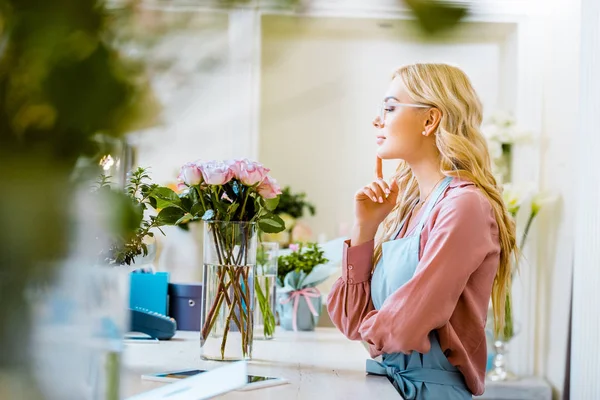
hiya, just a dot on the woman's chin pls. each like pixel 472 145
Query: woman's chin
pixel 382 153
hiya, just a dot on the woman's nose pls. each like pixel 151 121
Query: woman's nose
pixel 377 123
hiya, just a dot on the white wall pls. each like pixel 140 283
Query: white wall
pixel 321 84
pixel 194 89
pixel 561 104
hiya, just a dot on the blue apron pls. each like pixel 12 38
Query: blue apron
pixel 415 376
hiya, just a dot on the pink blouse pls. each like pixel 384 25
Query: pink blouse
pixel 450 291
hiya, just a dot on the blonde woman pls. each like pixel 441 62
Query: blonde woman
pixel 418 295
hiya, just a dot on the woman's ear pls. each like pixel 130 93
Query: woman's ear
pixel 432 121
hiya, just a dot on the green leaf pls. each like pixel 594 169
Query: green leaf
pixel 185 219
pixel 232 209
pixel 170 215
pixel 197 209
pixel 165 197
pixel 271 204
pixel 271 224
pixel 221 208
pixel 186 203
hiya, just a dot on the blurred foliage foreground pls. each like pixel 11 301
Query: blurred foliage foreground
pixel 61 83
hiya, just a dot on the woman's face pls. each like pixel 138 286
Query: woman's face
pixel 400 128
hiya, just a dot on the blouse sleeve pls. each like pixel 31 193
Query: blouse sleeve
pixel 350 298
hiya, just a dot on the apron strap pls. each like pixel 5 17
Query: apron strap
pixel 432 202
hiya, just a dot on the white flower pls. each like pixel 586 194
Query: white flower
pixel 502 119
pixel 495 149
pixel 490 132
pixel 501 126
pixel 542 200
pixel 512 198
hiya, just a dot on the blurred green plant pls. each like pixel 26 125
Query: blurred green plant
pixel 131 226
pixel 294 204
pixel 62 81
pixel 435 17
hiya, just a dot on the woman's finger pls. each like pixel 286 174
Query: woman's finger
pixel 384 186
pixel 369 193
pixel 379 192
pixel 378 168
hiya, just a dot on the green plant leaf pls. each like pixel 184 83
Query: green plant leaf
pixel 271 224
pixel 233 208
pixel 271 204
pixel 170 215
pixel 185 219
pixel 166 197
pixel 197 210
pixel 186 203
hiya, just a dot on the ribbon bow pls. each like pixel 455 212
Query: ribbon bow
pixel 307 293
pixel 404 380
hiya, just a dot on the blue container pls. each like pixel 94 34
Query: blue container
pixel 184 305
pixel 149 291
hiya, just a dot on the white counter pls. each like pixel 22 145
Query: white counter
pixel 319 365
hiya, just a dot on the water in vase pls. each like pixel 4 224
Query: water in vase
pixel 264 310
pixel 227 312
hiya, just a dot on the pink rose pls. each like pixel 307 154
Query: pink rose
pixel 216 173
pixel 269 189
pixel 190 174
pixel 248 172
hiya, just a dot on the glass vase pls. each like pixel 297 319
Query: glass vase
pixel 265 283
pixel 500 370
pixel 227 316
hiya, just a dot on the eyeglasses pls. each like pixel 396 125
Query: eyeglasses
pixel 388 106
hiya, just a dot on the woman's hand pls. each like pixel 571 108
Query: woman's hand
pixel 372 204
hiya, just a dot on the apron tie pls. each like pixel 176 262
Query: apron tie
pixel 404 380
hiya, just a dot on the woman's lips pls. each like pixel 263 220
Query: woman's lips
pixel 380 140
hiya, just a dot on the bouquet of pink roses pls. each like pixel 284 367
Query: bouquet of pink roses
pixel 233 198
pixel 232 190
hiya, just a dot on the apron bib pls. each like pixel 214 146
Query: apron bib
pixel 416 376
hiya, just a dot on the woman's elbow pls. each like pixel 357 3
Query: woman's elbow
pixel 401 341
pixel 347 326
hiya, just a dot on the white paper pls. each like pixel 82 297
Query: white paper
pixel 202 386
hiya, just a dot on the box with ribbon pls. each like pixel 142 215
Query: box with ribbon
pixel 299 301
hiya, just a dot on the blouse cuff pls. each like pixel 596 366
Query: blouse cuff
pixel 357 262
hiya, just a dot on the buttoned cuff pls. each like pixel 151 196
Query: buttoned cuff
pixel 357 262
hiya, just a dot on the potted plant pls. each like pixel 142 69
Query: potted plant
pixel 299 272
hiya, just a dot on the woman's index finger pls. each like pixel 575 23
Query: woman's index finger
pixel 378 169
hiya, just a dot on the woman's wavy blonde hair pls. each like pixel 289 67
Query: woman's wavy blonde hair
pixel 463 153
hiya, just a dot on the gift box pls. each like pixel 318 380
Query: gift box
pixel 184 305
pixel 299 310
